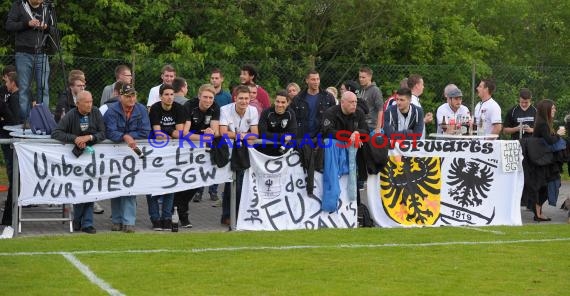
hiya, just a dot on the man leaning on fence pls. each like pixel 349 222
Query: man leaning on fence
pixel 84 127
pixel 126 121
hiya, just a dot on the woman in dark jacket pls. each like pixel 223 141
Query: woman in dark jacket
pixel 543 128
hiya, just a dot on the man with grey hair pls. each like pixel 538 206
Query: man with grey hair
pixel 452 108
pixel 83 126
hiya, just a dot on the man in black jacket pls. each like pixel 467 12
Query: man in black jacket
pixel 32 23
pixel 9 115
pixel 277 124
pixel 83 126
pixel 309 106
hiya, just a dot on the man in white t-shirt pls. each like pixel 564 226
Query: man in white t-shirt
pixel 167 76
pixel 237 120
pixel 416 85
pixel 487 112
pixel 453 108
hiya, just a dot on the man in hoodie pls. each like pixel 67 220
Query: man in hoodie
pixel 371 96
pixel 31 21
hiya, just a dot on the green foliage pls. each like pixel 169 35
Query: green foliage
pixel 285 38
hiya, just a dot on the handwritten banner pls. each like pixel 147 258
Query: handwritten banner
pixel 274 197
pixel 51 174
pixel 453 182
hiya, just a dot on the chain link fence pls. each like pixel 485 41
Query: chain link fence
pixel 544 82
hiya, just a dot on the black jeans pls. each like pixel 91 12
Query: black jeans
pixel 181 201
pixel 227 195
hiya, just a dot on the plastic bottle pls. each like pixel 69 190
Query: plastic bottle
pixel 443 125
pixel 175 220
pixel 89 149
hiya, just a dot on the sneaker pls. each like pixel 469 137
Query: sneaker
pixel 197 197
pixel 167 225
pixel 97 208
pixel 217 203
pixel 117 227
pixel 90 230
pixel 185 223
pixel 128 228
pixel 76 226
pixel 214 197
pixel 156 225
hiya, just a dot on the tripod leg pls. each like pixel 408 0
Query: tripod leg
pixel 42 70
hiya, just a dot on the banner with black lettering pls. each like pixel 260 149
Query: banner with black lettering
pixel 453 182
pixel 51 174
pixel 274 197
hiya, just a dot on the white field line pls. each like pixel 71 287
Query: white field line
pixel 260 248
pixel 481 229
pixel 92 277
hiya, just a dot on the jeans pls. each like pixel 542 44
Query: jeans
pixel 38 66
pixel 181 200
pixel 83 214
pixel 8 160
pixel 124 210
pixel 213 189
pixel 154 209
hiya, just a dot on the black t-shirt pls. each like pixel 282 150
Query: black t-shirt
pixel 271 123
pixel 200 120
pixel 516 116
pixel 167 119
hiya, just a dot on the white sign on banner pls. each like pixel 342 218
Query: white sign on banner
pixel 274 197
pixel 51 174
pixel 453 182
pixel 511 156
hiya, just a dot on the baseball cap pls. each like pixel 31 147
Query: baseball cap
pixel 127 89
pixel 453 92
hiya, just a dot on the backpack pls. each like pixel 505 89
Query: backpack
pixel 41 120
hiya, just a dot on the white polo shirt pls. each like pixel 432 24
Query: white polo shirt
pixel 153 95
pixel 490 112
pixel 235 123
pixel 445 110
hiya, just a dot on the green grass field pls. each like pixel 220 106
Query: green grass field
pixel 526 260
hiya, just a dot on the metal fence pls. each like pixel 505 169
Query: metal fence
pixel 544 82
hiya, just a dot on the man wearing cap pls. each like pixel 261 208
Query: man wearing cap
pixel 452 108
pixel 519 120
pixel 126 121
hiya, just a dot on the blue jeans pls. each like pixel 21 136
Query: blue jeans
pixel 28 65
pixel 153 207
pixel 124 210
pixel 213 189
pixel 83 214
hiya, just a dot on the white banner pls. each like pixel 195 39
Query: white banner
pixel 453 182
pixel 51 174
pixel 274 197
